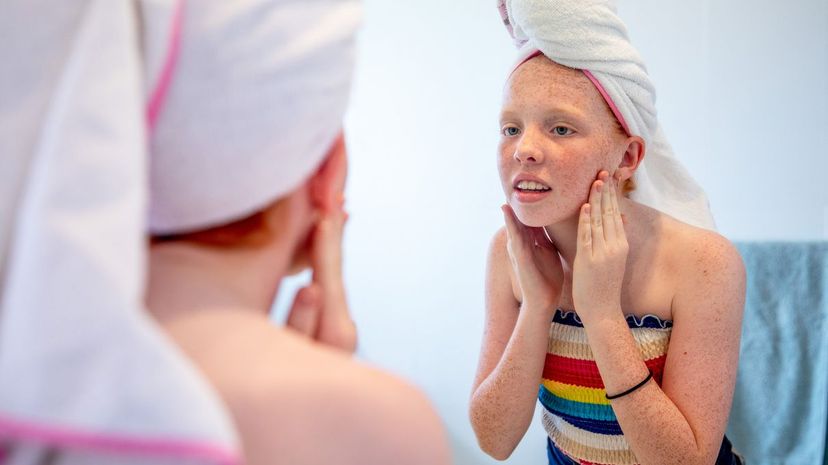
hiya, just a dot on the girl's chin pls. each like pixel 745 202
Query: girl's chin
pixel 538 219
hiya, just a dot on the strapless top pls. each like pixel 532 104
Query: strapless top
pixel 577 416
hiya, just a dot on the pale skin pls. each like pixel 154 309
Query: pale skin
pixel 609 256
pixel 295 393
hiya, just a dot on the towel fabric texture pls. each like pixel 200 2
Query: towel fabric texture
pixel 780 407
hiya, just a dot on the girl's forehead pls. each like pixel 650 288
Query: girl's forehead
pixel 540 79
pixel 540 82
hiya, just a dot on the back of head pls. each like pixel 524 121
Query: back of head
pixel 249 104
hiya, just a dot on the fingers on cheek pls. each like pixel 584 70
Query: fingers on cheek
pixel 586 226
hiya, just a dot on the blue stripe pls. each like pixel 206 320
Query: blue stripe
pixel 570 318
pixel 595 418
pixel 555 456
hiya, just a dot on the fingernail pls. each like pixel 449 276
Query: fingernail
pixel 303 297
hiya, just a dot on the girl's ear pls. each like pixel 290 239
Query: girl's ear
pixel 633 155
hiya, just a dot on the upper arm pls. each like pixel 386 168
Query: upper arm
pixel 703 355
pixel 501 307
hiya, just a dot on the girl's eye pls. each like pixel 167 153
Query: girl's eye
pixel 562 130
pixel 510 131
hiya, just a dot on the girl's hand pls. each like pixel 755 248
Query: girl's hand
pixel 320 310
pixel 535 261
pixel 601 255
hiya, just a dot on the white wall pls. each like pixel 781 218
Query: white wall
pixel 743 96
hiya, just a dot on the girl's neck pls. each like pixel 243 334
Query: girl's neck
pixel 184 277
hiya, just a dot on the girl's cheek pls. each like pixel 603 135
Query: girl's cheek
pixel 503 154
pixel 503 147
pixel 502 166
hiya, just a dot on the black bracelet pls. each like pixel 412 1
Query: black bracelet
pixel 632 388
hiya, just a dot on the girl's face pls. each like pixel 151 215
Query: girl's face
pixel 557 133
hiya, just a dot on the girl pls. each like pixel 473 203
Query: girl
pixel 587 288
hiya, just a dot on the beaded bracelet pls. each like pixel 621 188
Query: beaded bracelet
pixel 650 375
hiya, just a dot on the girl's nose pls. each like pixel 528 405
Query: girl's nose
pixel 528 150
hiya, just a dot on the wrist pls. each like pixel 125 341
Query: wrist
pixel 528 306
pixel 599 316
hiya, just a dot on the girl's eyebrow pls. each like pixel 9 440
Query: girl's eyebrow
pixel 507 115
pixel 549 114
pixel 565 111
pixel 570 117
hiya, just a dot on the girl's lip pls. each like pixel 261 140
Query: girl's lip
pixel 527 177
pixel 530 196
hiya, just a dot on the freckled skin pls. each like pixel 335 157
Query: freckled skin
pixel 534 89
pixel 674 270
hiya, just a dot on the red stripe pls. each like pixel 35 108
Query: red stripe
pixel 585 372
pixel 572 371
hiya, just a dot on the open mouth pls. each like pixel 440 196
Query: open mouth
pixel 528 191
pixel 531 187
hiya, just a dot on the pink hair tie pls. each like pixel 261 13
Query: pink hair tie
pixel 608 99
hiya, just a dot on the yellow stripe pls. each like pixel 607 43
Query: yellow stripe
pixel 577 393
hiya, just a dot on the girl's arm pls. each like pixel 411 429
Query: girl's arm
pixel 684 420
pixel 511 362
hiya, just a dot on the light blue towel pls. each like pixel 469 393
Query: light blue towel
pixel 780 407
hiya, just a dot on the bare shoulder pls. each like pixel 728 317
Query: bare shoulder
pixel 708 305
pixel 704 252
pixel 497 246
pixel 285 392
pixel 707 263
pixel 499 273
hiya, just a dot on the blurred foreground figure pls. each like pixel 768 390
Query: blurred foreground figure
pixel 164 166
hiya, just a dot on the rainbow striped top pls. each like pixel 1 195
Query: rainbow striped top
pixel 576 415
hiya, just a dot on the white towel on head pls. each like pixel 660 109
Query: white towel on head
pixel 213 159
pixel 589 35
pixel 84 370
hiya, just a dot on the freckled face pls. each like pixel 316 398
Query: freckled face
pixel 557 133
